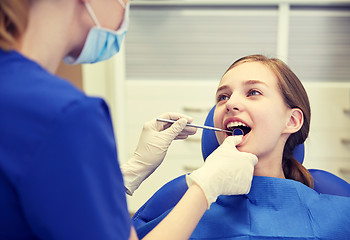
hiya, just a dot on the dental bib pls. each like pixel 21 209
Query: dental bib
pixel 273 209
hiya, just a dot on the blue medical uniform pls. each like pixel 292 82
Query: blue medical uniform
pixel 274 209
pixel 59 172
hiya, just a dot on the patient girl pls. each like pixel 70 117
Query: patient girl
pixel 267 101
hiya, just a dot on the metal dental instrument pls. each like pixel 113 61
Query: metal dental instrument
pixel 196 126
pixel 238 131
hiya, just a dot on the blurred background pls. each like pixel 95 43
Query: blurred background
pixel 176 52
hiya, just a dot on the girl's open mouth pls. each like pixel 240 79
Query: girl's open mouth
pixel 236 127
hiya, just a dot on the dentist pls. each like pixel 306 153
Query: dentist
pixel 59 172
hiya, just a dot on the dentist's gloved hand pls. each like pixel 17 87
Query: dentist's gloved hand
pixel 154 142
pixel 226 171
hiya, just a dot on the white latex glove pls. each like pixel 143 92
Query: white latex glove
pixel 154 142
pixel 226 171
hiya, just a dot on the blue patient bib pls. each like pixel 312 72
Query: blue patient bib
pixel 274 209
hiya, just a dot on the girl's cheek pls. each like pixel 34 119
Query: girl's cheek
pixel 218 116
pixel 218 138
pixel 218 121
pixel 215 118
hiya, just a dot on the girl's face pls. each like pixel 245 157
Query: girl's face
pixel 248 95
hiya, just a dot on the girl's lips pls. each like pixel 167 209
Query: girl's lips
pixel 243 139
pixel 234 119
pixel 235 123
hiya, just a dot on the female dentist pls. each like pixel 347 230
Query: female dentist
pixel 59 172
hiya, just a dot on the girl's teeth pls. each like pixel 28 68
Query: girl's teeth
pixel 235 124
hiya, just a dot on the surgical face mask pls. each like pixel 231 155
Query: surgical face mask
pixel 101 44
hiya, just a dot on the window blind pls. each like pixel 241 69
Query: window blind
pixel 194 42
pixel 319 47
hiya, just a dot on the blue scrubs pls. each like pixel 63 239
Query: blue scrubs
pixel 59 172
pixel 274 209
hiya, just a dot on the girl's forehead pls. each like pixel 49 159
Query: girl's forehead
pixel 249 71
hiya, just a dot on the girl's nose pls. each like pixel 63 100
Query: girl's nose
pixel 234 104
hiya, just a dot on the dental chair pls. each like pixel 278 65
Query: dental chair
pixel 168 196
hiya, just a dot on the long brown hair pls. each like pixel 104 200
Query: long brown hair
pixel 294 96
pixel 13 22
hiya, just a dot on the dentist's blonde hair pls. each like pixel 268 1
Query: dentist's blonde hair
pixel 13 22
pixel 294 96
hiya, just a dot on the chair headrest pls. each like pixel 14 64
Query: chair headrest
pixel 210 143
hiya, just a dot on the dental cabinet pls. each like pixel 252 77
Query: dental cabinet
pixel 176 52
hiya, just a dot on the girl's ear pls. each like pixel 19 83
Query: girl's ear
pixel 295 122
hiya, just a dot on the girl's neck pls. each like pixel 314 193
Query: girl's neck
pixel 269 170
pixel 269 166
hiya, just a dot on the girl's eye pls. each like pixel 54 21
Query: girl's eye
pixel 222 98
pixel 253 92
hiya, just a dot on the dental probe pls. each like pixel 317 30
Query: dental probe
pixel 198 126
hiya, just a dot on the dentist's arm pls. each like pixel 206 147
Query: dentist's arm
pixel 225 172
pixel 182 220
pixel 154 142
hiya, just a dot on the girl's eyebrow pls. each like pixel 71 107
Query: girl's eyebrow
pixel 221 88
pixel 248 82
